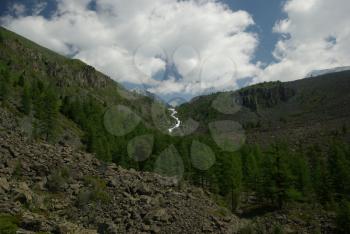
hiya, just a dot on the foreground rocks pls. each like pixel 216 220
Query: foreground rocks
pixel 57 189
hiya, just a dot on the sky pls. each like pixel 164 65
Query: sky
pixel 182 49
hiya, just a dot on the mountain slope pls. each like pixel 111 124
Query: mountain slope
pixel 68 191
pixel 308 110
pixel 85 96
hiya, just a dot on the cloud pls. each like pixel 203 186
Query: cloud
pixel 39 7
pixel 18 9
pixel 136 41
pixel 315 35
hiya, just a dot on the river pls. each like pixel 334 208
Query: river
pixel 178 122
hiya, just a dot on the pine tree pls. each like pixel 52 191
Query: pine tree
pixel 21 80
pixel 231 179
pixel 250 167
pixel 4 85
pixel 26 100
pixel 47 110
pixel 339 168
pixel 321 181
pixel 343 217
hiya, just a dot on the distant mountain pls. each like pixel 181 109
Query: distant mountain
pixel 327 71
pixel 146 93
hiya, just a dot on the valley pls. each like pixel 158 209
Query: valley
pixel 81 154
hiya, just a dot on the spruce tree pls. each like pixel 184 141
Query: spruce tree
pixel 47 111
pixel 4 85
pixel 26 100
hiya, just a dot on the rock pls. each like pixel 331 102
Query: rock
pixel 143 189
pixel 30 222
pixel 95 196
pixel 70 228
pixel 23 193
pixel 155 229
pixel 4 184
pixel 107 227
pixel 157 215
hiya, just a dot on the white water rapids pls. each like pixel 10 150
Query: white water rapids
pixel 178 122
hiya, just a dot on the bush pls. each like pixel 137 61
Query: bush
pixel 95 191
pixel 8 224
pixel 57 181
pixel 343 217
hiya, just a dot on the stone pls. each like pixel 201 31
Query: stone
pixel 23 193
pixel 4 184
pixel 157 215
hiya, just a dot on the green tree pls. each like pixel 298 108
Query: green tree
pixel 5 85
pixel 339 168
pixel 47 111
pixel 21 80
pixel 26 100
pixel 251 171
pixel 300 175
pixel 231 178
pixel 343 217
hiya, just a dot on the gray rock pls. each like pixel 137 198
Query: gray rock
pixel 4 184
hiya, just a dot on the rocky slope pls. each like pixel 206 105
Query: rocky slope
pixel 57 189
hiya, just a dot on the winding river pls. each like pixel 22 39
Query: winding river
pixel 178 122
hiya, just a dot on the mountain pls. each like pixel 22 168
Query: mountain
pixel 146 93
pixel 81 154
pixel 309 110
pixel 54 109
pixel 327 71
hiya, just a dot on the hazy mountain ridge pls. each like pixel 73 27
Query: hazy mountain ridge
pixel 327 71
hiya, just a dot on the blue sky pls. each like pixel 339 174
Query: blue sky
pixel 200 46
pixel 264 12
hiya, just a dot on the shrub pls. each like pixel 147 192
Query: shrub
pixel 57 181
pixel 8 224
pixel 343 217
pixel 95 191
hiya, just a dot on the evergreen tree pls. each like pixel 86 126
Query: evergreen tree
pixel 322 181
pixel 343 217
pixel 47 110
pixel 231 179
pixel 26 100
pixel 21 80
pixel 339 168
pixel 300 175
pixel 5 85
pixel 250 167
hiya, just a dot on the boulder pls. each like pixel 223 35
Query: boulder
pixel 4 184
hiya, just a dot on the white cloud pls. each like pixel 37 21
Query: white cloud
pixel 314 36
pixel 39 7
pixel 18 9
pixel 109 38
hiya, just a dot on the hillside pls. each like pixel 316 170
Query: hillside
pixel 84 94
pixel 55 189
pixel 309 111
